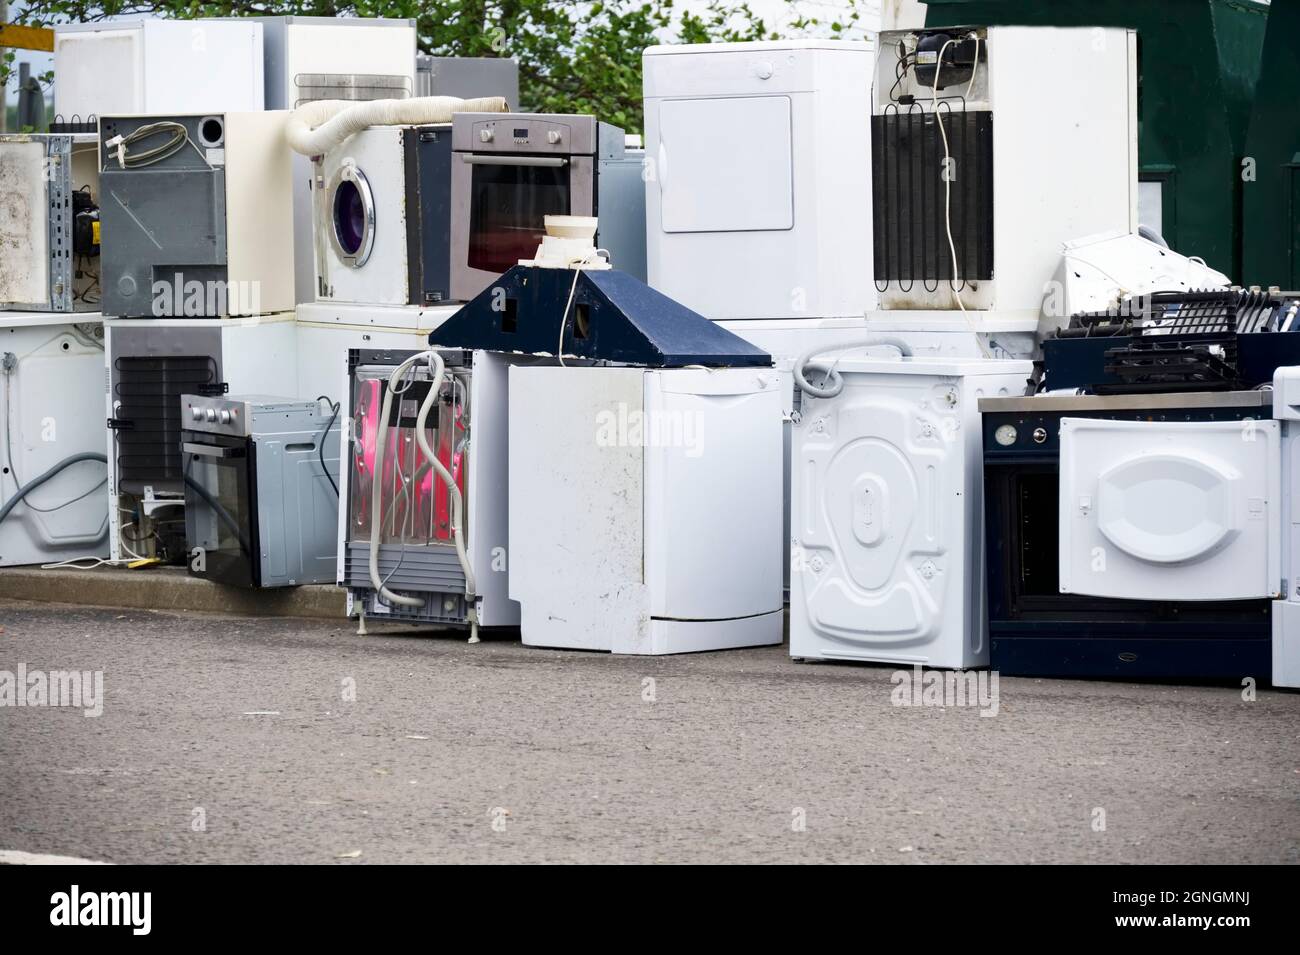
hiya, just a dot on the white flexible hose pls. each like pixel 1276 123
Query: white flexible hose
pixel 314 128
pixel 377 487
pixel 457 503
pixel 833 383
pixel 437 371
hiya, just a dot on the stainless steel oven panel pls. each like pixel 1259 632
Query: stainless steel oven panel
pixel 466 281
pixel 539 133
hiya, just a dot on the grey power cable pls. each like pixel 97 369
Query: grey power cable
pixel 32 485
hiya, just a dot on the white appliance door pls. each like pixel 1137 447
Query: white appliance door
pixel 713 464
pixel 725 165
pixel 1153 510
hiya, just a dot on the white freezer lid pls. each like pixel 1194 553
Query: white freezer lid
pixel 957 367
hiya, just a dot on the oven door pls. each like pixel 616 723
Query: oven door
pixel 221 532
pixel 1170 510
pixel 499 202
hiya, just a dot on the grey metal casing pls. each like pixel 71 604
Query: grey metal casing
pixel 468 77
pixel 620 209
pixel 297 509
pixel 159 221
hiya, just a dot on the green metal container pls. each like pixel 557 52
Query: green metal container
pixel 1198 63
pixel 1271 202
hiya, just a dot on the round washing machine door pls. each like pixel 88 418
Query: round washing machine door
pixel 352 216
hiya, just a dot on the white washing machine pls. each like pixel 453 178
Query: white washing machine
pixel 887 512
pixel 660 531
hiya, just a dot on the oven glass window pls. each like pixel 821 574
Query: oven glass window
pixel 507 204
pixel 218 513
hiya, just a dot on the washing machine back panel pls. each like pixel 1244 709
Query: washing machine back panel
pixel 879 514
pixel 1170 510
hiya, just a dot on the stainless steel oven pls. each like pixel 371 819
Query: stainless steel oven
pixel 509 170
pixel 261 498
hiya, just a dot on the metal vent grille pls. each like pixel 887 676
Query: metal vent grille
pixel 310 87
pixel 907 172
pixel 149 409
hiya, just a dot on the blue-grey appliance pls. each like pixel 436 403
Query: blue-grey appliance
pixel 261 494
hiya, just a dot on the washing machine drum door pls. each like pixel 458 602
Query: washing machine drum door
pixel 352 216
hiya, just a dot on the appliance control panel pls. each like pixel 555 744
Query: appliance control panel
pixel 239 416
pixel 535 133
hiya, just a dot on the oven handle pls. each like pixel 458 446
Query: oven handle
pixel 551 162
pixel 210 450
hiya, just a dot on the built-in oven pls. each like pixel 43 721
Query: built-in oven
pixel 510 171
pixel 261 498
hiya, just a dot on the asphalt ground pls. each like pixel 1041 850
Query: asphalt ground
pixel 280 740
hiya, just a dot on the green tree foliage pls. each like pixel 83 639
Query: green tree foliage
pixel 573 55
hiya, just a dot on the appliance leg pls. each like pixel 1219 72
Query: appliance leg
pixel 361 626
pixel 473 626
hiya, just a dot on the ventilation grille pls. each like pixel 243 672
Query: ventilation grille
pixel 310 87
pixel 149 406
pixel 907 172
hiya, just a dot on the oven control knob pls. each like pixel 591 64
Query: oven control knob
pixel 553 136
pixel 225 417
pixel 197 413
pixel 485 135
pixel 212 414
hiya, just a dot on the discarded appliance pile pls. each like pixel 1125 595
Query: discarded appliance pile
pixel 497 370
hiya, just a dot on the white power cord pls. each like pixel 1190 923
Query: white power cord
pixel 947 184
pixel 577 266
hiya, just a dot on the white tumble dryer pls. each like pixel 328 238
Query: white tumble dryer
pixel 887 511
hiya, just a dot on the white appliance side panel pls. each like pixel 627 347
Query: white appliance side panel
pixel 383 279
pixel 1088 143
pixel 51 408
pixel 576 490
pixel 202 66
pixel 836 272
pixel 698 193
pixel 99 72
pixel 488 517
pixel 881 524
pixel 713 492
pixel 340 47
pixel 259 356
pixel 1170 510
pixel 259 213
pixel 24 224
pixel 323 351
